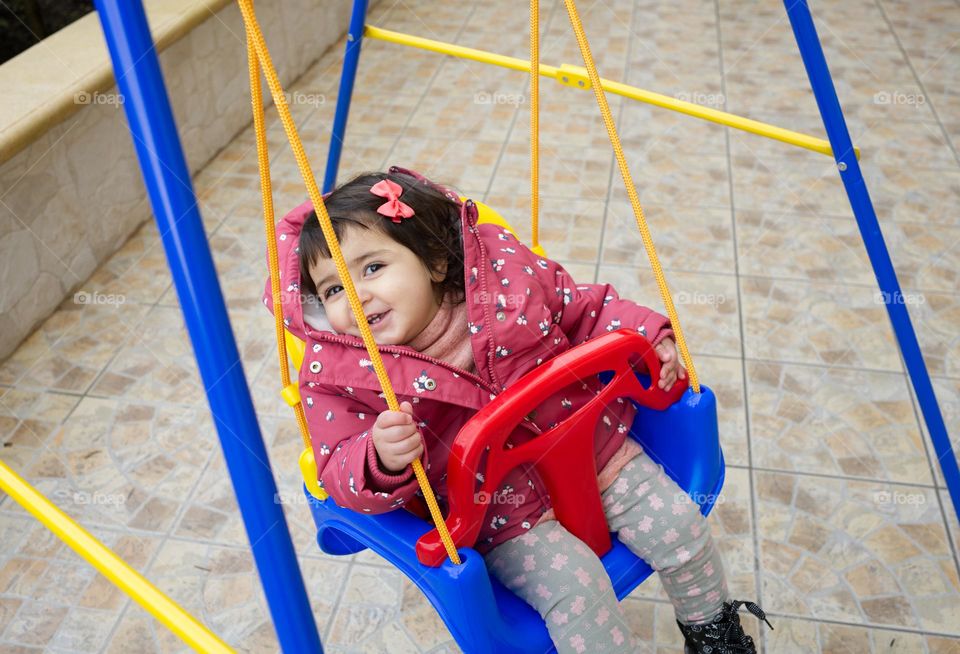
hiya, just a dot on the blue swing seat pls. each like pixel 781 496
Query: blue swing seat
pixel 481 614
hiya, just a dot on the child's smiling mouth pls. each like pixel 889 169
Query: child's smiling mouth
pixel 377 319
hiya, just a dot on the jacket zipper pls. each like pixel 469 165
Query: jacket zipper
pixel 481 270
pixel 390 349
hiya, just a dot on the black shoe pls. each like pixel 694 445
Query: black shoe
pixel 724 635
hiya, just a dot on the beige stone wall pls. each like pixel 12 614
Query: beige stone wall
pixel 70 188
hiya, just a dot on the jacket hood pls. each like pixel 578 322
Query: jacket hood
pixel 303 315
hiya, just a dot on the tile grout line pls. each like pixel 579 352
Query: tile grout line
pixel 925 437
pixel 757 567
pixel 153 558
pixel 426 90
pixel 621 115
pixel 923 88
pixel 924 433
pixel 545 31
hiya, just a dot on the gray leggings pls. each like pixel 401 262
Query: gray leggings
pixel 559 576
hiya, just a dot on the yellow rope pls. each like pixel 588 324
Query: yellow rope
pixel 266 190
pixel 631 190
pixel 256 40
pixel 534 124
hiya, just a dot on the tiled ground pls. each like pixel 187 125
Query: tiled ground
pixel 833 516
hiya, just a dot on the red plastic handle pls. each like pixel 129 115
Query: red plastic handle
pixel 563 455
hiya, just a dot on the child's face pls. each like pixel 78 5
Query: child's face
pixel 394 286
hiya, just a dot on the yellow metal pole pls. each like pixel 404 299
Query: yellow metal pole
pixel 115 569
pixel 649 97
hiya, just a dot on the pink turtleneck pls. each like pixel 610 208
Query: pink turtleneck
pixel 446 337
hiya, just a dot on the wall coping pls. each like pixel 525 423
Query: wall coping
pixel 48 82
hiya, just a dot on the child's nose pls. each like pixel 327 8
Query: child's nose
pixel 363 293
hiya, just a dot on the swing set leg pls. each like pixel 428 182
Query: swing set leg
pixel 811 51
pixel 351 60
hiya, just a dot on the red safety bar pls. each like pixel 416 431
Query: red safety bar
pixel 563 455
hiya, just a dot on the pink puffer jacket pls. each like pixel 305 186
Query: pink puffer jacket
pixel 522 310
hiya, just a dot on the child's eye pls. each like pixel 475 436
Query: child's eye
pixel 331 291
pixel 372 268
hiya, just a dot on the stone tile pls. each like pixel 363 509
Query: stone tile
pixel 796 635
pixel 137 272
pixel 159 362
pixel 85 630
pixel 644 127
pixel 566 171
pixel 211 512
pixel 124 464
pixel 947 392
pixel 35 624
pixel 221 585
pixel 478 103
pixel 136 626
pixel 806 183
pixel 72 346
pixel 798 246
pixel 695 239
pixel 935 318
pixel 856 552
pixel 420 620
pixel 724 376
pixel 892 142
pixel 835 422
pixel 909 194
pixel 369 616
pixel 570 230
pixel 706 304
pixel 950 512
pixel 459 163
pixel 817 323
pixel 677 179
pixel 801 246
pixel 8 608
pixel 374 114
pixel 27 419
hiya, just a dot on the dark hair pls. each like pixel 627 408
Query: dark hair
pixel 433 233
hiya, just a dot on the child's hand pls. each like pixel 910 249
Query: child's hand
pixel 670 369
pixel 396 438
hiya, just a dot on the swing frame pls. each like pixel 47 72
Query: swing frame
pixel 167 180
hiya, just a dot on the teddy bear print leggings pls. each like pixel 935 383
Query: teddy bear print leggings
pixel 557 574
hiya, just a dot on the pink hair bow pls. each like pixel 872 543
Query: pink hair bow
pixel 393 208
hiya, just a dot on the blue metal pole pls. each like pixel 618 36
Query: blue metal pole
pixel 351 59
pixel 833 120
pixel 171 194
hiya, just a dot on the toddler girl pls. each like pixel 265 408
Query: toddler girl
pixel 461 311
